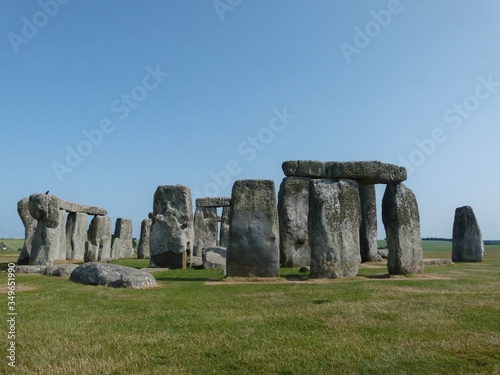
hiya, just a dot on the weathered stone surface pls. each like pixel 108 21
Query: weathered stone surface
pixel 46 243
pixel 368 230
pixel 122 242
pixel 253 246
pixel 172 232
pixel 305 168
pixel 112 275
pixel 196 261
pixel 402 226
pixel 214 258
pixel 198 249
pixel 143 247
pixel 293 211
pixel 29 223
pixel 467 242
pixel 63 245
pixel 76 235
pixel 439 262
pixel 75 207
pixel 366 172
pixel 205 226
pixel 62 270
pixel 334 222
pixel 383 253
pixel 224 226
pixel 30 269
pixel 213 202
pixel 98 246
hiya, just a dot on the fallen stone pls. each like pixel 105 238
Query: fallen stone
pixel 402 226
pixel 196 261
pixel 383 253
pixel 366 172
pixel 439 262
pixel 293 211
pixel 253 246
pixel 62 270
pixel 213 202
pixel 467 242
pixel 214 258
pixel 334 222
pixel 112 275
pixel 30 269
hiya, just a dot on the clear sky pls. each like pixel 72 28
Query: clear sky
pixel 102 101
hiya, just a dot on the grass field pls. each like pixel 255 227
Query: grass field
pixel 196 322
pixel 13 244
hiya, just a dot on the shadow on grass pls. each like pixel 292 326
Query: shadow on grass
pixel 377 276
pixel 195 279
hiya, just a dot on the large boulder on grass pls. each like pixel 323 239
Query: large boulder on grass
pixel 62 270
pixel 111 275
pixel 467 243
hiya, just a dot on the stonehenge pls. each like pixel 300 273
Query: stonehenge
pixel 334 222
pixel 402 226
pixel 306 176
pixel 122 242
pixel 172 235
pixel 253 243
pixel 143 250
pixel 324 217
pixel 55 238
pixel 467 242
pixel 29 223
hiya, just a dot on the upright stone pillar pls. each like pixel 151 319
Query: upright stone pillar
pixel 143 247
pixel 206 226
pixel 368 230
pixel 98 246
pixel 76 235
pixel 253 247
pixel 467 243
pixel 172 234
pixel 293 211
pixel 29 230
pixel 334 222
pixel 122 243
pixel 224 226
pixel 45 246
pixel 402 226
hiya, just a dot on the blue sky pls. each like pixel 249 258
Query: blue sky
pixel 101 102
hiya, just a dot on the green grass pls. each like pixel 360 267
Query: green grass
pixel 13 244
pixel 447 322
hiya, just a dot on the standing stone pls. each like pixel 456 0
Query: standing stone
pixel 76 235
pixel 63 248
pixel 334 222
pixel 253 246
pixel 98 246
pixel 29 230
pixel 368 230
pixel 143 247
pixel 467 243
pixel 122 243
pixel 402 226
pixel 198 250
pixel 293 211
pixel 46 243
pixel 206 226
pixel 224 226
pixel 172 232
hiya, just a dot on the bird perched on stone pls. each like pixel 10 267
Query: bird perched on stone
pixel 47 192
